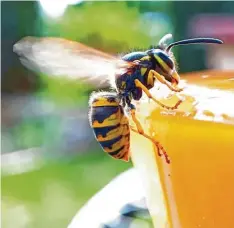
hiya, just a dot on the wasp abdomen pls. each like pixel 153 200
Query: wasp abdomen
pixel 110 124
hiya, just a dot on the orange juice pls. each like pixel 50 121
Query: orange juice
pixel 197 188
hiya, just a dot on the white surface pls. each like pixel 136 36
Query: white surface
pixel 106 204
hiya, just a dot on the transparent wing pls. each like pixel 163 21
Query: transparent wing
pixel 57 57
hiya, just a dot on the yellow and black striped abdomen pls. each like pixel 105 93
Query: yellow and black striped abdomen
pixel 110 125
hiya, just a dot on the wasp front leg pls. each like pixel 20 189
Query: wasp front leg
pixel 147 92
pixel 140 131
pixel 173 85
pixel 175 80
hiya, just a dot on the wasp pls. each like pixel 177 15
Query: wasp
pixel 130 76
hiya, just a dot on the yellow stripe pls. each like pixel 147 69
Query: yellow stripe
pixel 150 79
pixel 124 120
pixel 104 102
pixel 145 58
pixel 143 70
pixel 115 146
pixel 123 86
pixel 121 130
pixel 123 141
pixel 163 64
pixel 124 150
pixel 110 135
pixel 126 130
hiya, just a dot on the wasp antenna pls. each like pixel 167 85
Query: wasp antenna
pixel 195 41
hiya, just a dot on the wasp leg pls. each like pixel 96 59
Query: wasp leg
pixel 172 86
pixel 137 122
pixel 140 131
pixel 175 80
pixel 147 92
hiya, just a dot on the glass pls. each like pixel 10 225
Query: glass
pixel 196 188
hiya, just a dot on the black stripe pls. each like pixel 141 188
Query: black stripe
pixel 153 61
pixel 128 135
pixel 101 113
pixel 116 151
pixel 166 59
pixel 110 143
pixel 122 156
pixel 104 130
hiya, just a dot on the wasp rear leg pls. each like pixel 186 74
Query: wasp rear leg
pixel 147 92
pixel 140 131
pixel 156 143
pixel 137 122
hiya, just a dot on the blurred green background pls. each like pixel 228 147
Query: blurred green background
pixel 51 164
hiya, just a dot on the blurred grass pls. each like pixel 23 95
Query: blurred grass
pixel 51 196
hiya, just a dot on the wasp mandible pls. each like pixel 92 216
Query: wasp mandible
pixel 131 76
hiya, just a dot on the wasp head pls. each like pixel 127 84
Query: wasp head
pixel 163 60
pixel 163 63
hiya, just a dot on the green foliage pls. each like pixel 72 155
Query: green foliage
pixel 28 134
pixel 111 26
pixel 51 196
pixel 64 92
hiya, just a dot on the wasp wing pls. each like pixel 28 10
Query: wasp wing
pixel 58 57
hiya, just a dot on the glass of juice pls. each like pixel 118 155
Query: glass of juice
pixel 196 189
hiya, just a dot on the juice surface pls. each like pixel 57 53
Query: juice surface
pixel 197 188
